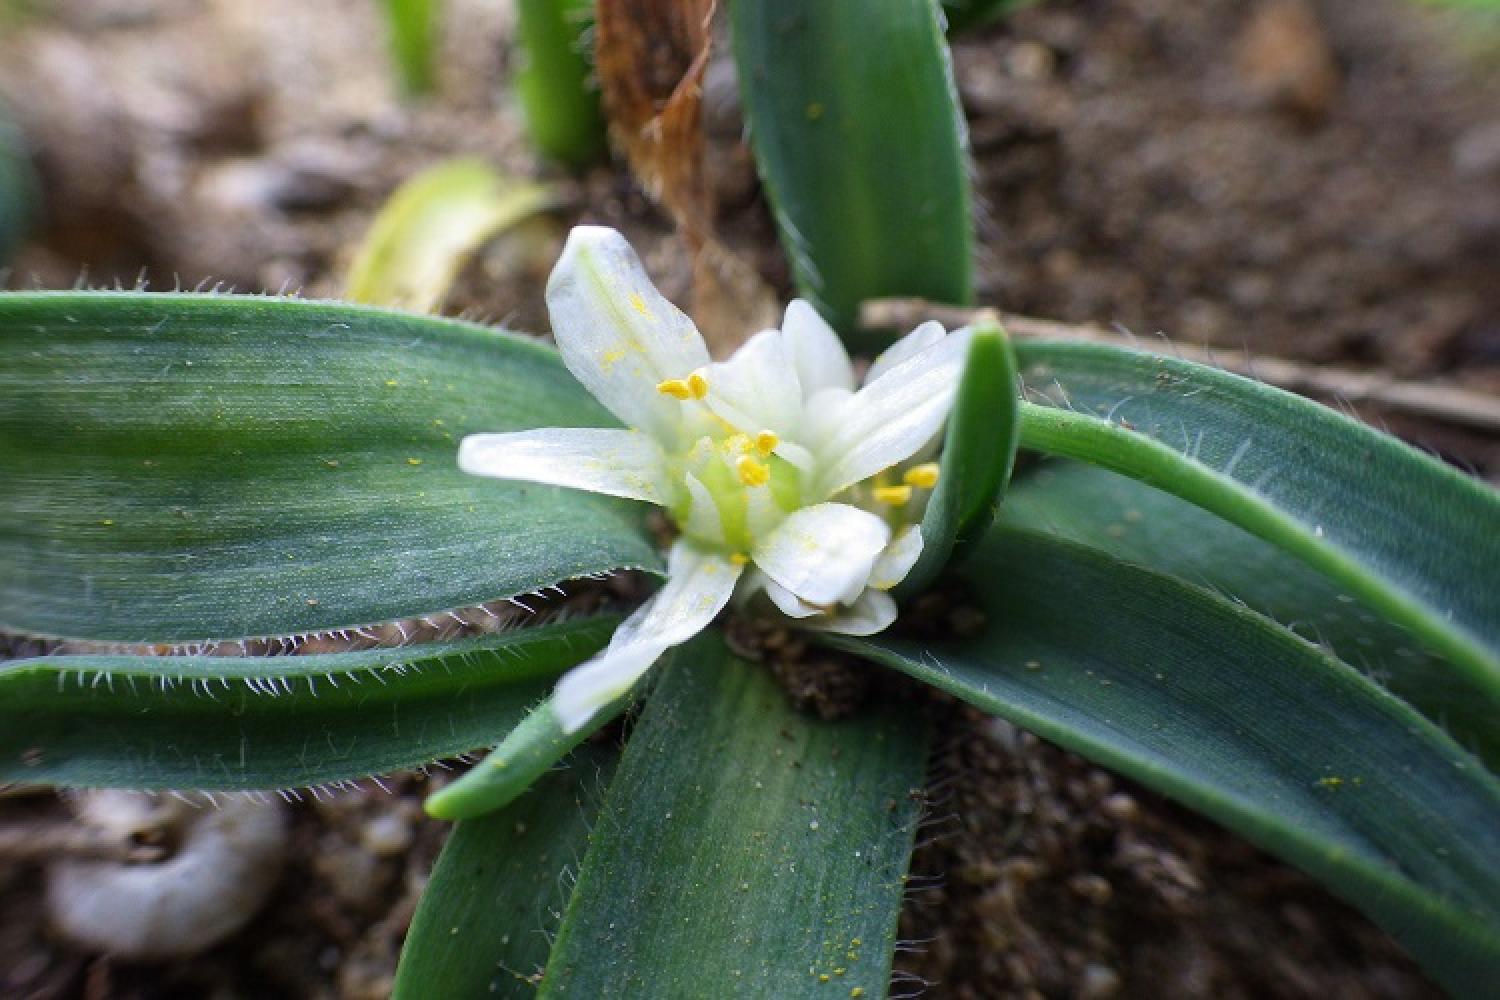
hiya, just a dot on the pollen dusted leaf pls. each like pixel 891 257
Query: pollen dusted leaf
pixel 1414 539
pixel 1234 716
pixel 860 142
pixel 430 226
pixel 1132 521
pixel 743 849
pixel 190 467
pixel 979 450
pixel 486 920
pixel 248 722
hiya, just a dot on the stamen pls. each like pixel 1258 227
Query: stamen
pixel 695 386
pixel 924 476
pixel 738 558
pixel 751 472
pixel 766 442
pixel 895 496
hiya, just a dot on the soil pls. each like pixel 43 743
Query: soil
pixel 1314 180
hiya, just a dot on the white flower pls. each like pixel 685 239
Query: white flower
pixel 780 476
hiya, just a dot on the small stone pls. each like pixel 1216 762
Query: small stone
pixel 1285 61
pixel 386 835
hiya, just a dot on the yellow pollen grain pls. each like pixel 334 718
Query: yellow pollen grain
pixel 639 304
pixel 413 461
pixel 766 442
pixel 924 476
pixel 751 472
pixel 738 558
pixel 896 496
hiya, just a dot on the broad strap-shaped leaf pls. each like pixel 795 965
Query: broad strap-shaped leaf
pixel 1414 539
pixel 743 850
pixel 1227 712
pixel 860 142
pixel 498 891
pixel 189 467
pixel 262 722
pixel 1141 524
pixel 979 450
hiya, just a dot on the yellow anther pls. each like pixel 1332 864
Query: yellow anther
pixel 924 476
pixel 896 496
pixel 697 385
pixel 766 442
pixel 751 472
pixel 677 388
pixel 738 558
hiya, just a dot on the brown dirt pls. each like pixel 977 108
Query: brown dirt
pixel 1315 180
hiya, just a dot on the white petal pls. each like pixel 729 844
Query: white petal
pixel 704 521
pixel 823 416
pixel 891 418
pixel 698 586
pixel 898 558
pixel 585 689
pixel 907 347
pixel 617 462
pixel 757 388
pixel 617 334
pixel 815 349
pixel 872 612
pixel 787 602
pixel 823 554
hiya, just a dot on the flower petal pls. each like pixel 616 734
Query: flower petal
pixel 617 334
pixel 698 586
pixel 757 388
pixel 891 418
pixel 909 346
pixel 898 558
pixel 824 553
pixel 872 612
pixel 703 517
pixel 617 462
pixel 816 351
pixel 585 689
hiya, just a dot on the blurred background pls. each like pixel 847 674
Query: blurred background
pixel 1312 180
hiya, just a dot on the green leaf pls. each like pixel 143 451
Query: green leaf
pixel 186 467
pixel 486 920
pixel 257 722
pixel 979 450
pixel 857 133
pixel 1414 539
pixel 1232 715
pixel 527 752
pixel 555 84
pixel 743 850
pixel 1132 521
pixel 413 27
pixel 430 226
